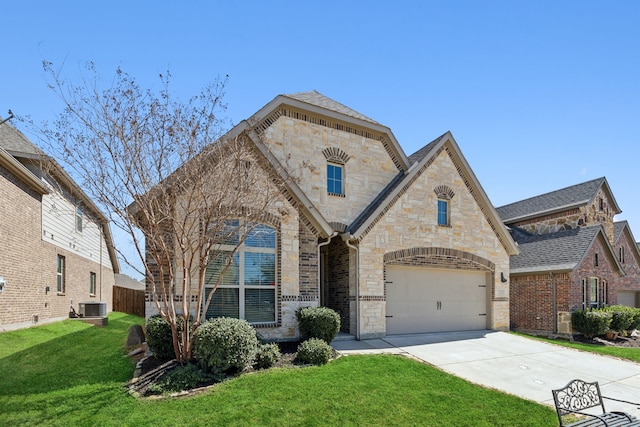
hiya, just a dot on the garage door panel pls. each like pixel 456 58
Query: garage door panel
pixel 430 300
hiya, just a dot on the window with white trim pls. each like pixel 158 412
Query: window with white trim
pixel 79 216
pixel 594 292
pixel 247 277
pixel 60 272
pixel 92 283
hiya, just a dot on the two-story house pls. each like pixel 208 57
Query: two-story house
pixel 57 251
pixel 394 243
pixel 572 256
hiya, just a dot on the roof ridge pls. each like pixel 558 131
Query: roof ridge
pixel 318 99
pixel 554 191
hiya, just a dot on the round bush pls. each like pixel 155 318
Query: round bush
pixel 267 356
pixel 314 351
pixel 622 317
pixel 225 344
pixel 159 338
pixel 591 323
pixel 318 322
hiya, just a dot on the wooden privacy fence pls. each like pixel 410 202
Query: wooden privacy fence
pixel 130 301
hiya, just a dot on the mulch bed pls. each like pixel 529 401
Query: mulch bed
pixel 620 341
pixel 150 369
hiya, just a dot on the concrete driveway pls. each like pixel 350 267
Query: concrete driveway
pixel 520 366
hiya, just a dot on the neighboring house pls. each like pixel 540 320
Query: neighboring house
pixel 572 256
pixel 57 250
pixel 394 243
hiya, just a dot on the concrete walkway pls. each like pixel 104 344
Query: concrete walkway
pixel 520 366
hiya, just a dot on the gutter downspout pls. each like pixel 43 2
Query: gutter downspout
pixel 334 234
pixel 555 303
pixel 346 237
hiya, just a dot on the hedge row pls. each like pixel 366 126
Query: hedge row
pixel 618 318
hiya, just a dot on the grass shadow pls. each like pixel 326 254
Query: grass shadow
pixel 66 354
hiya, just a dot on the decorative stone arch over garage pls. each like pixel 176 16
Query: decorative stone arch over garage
pixel 436 290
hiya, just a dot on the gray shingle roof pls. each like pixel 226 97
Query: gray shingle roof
pixel 12 140
pixel 424 151
pixel 571 196
pixel 548 252
pixel 618 228
pixel 319 100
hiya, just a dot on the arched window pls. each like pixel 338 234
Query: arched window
pixel 336 161
pixel 445 194
pixel 246 278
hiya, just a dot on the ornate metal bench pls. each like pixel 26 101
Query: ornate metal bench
pixel 573 399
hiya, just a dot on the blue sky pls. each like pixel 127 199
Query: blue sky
pixel 539 94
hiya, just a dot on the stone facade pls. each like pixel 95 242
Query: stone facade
pixel 320 261
pixel 412 223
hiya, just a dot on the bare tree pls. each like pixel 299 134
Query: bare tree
pixel 186 198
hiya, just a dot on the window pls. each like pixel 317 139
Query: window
pixel 78 219
pixel 594 292
pixel 335 184
pixel 621 254
pixel 595 261
pixel 601 204
pixel 246 279
pixel 61 274
pixel 92 283
pixel 443 212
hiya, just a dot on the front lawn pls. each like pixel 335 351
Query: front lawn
pixel 70 373
pixel 629 353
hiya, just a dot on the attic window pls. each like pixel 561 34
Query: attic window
pixel 595 261
pixel 621 254
pixel 601 204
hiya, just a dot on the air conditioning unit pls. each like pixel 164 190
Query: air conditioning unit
pixel 93 309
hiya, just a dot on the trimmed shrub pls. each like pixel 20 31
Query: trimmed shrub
pixel 159 338
pixel 314 351
pixel 318 322
pixel 622 317
pixel 225 344
pixel 591 322
pixel 267 356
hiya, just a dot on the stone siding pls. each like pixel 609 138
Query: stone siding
pixel 299 146
pixel 412 223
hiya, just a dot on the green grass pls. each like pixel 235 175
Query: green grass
pixel 628 353
pixel 70 373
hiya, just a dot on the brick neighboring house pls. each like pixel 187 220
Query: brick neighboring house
pixel 572 256
pixel 57 249
pixel 394 243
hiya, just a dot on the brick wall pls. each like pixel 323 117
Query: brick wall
pixel 29 265
pixel 337 282
pixel 631 280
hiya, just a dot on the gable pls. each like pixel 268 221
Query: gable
pixel 442 165
pixel 565 199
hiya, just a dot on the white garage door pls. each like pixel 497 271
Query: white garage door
pixel 628 298
pixel 429 300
